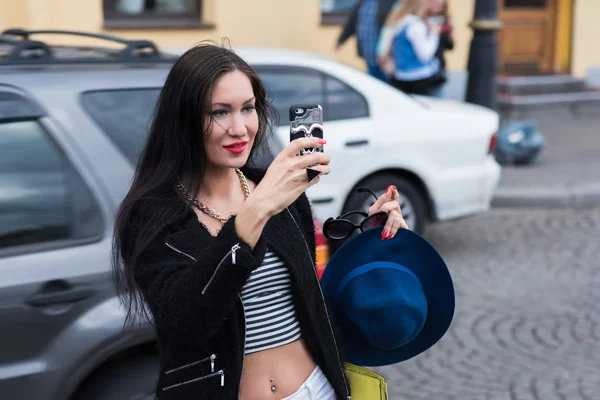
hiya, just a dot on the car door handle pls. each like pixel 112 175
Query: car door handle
pixel 66 294
pixel 357 143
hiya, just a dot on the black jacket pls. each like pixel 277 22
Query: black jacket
pixel 191 282
pixel 383 9
pixel 446 43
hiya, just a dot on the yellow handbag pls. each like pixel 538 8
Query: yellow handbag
pixel 365 384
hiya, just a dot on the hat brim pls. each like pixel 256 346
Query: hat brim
pixel 411 250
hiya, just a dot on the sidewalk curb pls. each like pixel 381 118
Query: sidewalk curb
pixel 558 196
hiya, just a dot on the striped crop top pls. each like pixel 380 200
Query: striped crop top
pixel 270 314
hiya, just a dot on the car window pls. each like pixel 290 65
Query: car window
pixel 287 88
pixel 124 115
pixel 343 102
pixel 42 198
pixel 299 86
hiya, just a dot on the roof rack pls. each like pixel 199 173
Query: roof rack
pixel 23 50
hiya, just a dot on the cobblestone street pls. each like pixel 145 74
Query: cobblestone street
pixel 527 323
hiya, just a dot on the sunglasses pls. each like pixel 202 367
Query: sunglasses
pixel 342 227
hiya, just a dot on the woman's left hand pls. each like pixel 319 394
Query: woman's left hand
pixel 388 203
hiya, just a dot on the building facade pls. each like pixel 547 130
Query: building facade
pixel 539 36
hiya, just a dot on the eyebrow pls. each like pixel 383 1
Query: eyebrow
pixel 229 105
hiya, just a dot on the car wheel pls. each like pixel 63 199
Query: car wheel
pixel 412 200
pixel 124 379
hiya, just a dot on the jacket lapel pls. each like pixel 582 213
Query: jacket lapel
pixel 193 239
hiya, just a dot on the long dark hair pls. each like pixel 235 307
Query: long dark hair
pixel 175 147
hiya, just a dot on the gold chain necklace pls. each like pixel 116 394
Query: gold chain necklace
pixel 207 210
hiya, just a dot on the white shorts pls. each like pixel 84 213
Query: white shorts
pixel 316 387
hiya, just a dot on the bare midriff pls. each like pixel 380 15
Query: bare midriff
pixel 285 368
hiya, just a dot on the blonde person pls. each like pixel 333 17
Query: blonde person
pixel 407 48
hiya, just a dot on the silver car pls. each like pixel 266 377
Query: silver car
pixel 72 124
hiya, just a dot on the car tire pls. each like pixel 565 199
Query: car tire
pixel 414 198
pixel 125 379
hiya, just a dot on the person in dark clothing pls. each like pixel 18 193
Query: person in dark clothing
pixel 438 15
pixel 219 255
pixel 366 21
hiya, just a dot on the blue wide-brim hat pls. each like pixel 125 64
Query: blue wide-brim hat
pixel 392 299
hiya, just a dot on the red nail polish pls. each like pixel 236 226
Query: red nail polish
pixel 394 187
pixel 383 235
pixel 388 189
pixel 322 141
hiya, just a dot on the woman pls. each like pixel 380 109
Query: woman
pixel 221 256
pixel 411 45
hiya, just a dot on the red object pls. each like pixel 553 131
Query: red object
pixel 237 147
pixel 446 28
pixel 322 249
pixel 320 238
pixel 493 141
pixel 320 272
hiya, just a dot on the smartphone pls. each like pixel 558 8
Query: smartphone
pixel 306 120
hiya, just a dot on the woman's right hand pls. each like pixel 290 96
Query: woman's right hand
pixel 286 178
pixel 283 183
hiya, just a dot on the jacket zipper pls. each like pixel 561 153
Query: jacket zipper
pixel 220 372
pixel 179 251
pixel 243 352
pixel 348 397
pixel 231 251
pixel 212 358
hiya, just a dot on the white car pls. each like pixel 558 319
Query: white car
pixel 436 152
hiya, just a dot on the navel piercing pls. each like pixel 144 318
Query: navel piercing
pixel 273 387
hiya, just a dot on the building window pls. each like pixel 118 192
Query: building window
pixel 524 3
pixel 153 14
pixel 335 12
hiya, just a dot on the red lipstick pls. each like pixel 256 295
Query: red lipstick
pixel 237 147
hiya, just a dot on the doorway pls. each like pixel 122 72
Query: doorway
pixel 527 41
